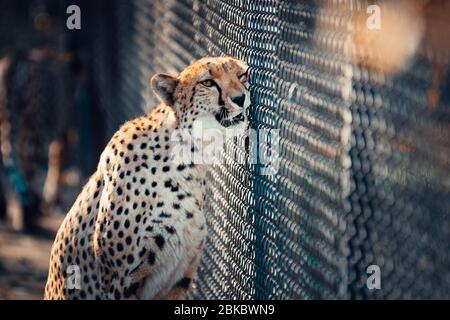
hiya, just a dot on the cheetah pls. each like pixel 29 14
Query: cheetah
pixel 137 229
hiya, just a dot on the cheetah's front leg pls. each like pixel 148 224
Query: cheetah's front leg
pixel 180 289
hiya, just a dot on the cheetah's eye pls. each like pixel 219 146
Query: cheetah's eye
pixel 207 83
pixel 243 78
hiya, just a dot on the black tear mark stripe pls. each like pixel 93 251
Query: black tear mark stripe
pixel 221 102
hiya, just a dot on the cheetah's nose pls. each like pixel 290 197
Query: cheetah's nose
pixel 239 100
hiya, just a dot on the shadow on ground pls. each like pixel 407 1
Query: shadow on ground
pixel 24 260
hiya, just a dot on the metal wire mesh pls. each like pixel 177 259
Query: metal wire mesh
pixel 363 165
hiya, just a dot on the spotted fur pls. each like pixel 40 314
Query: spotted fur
pixel 137 229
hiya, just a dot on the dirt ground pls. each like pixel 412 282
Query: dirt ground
pixel 24 260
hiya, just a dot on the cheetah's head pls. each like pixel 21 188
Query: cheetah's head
pixel 212 91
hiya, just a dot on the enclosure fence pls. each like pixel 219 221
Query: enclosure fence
pixel 363 174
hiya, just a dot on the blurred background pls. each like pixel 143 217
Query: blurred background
pixel 52 130
pixel 358 90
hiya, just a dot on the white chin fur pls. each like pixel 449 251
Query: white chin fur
pixel 202 125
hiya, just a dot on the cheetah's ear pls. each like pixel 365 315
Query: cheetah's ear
pixel 163 86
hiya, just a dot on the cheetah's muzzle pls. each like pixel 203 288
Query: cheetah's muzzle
pixel 224 120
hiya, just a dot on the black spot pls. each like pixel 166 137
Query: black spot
pixel 165 168
pixel 128 240
pixel 159 240
pixel 189 215
pixel 119 191
pixel 127 160
pixel 164 215
pixel 181 196
pixel 130 258
pixel 157 157
pixel 183 283
pixel 119 247
pixel 181 167
pixel 142 181
pixel 130 146
pixel 128 292
pixel 151 258
pixel 143 145
pixel 170 229
pixel 168 184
